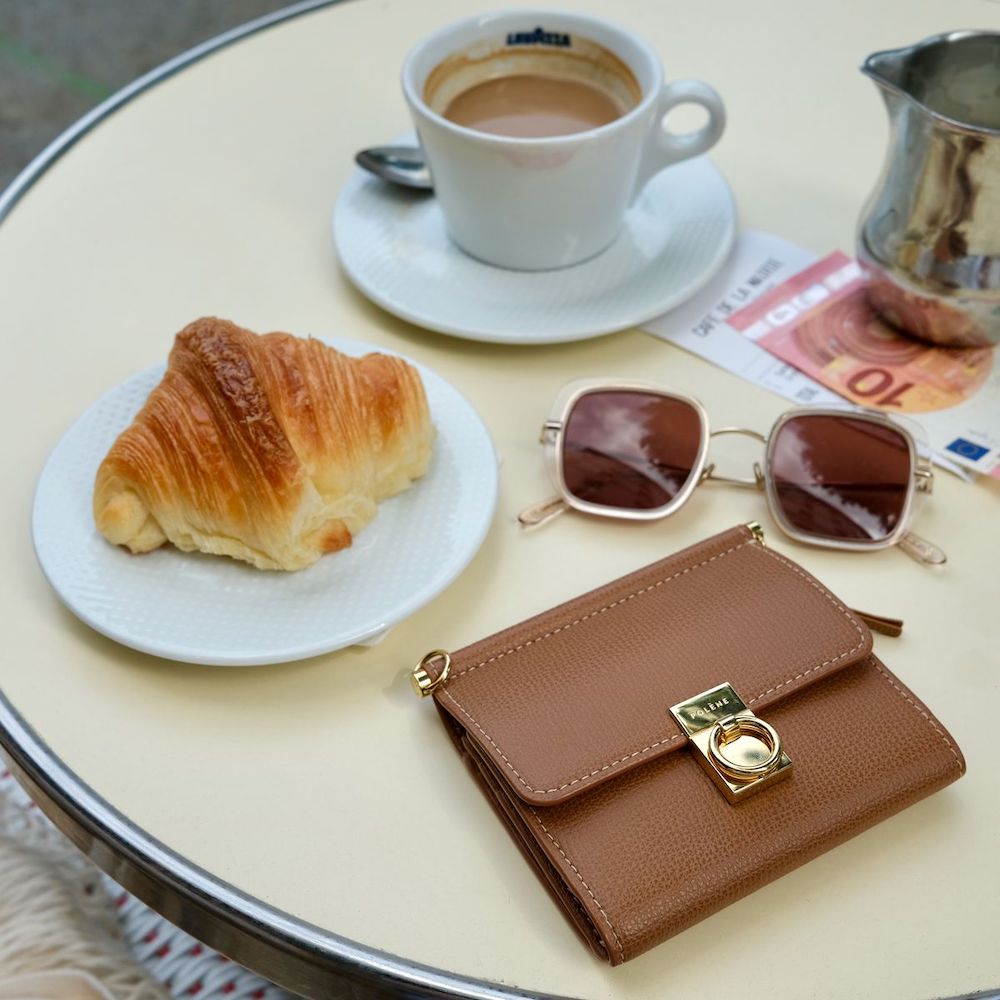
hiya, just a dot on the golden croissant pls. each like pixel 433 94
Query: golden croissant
pixel 272 449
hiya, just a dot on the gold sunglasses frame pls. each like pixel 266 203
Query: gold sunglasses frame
pixel 553 438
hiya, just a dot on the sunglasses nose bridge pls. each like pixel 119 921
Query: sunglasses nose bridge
pixel 758 475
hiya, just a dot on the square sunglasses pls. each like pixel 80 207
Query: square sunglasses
pixel 839 478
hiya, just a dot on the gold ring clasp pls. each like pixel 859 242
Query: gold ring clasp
pixel 741 752
pixel 423 683
pixel 732 728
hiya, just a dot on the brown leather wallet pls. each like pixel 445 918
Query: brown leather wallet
pixel 787 736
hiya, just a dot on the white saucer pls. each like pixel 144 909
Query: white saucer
pixel 210 609
pixel 393 246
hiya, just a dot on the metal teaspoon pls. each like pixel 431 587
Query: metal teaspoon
pixel 399 164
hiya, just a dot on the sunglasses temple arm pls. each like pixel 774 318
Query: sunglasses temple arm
pixel 922 550
pixel 541 513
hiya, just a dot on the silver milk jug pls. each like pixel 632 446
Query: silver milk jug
pixel 929 236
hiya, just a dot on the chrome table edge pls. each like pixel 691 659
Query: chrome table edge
pixel 299 956
pixel 21 184
pixel 294 954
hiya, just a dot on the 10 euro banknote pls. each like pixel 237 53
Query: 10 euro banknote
pixel 819 321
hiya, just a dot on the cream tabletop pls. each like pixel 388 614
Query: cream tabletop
pixel 323 788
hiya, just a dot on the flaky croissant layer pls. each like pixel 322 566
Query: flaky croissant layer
pixel 272 449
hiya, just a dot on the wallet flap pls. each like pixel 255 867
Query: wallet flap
pixel 572 697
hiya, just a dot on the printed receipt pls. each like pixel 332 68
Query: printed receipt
pixel 712 325
pixel 759 263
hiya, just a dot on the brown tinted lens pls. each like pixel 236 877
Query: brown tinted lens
pixel 629 450
pixel 841 477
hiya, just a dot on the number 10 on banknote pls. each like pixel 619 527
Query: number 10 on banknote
pixel 820 321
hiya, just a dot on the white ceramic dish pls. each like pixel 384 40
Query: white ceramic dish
pixel 214 610
pixel 393 246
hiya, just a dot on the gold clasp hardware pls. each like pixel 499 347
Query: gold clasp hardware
pixel 757 531
pixel 741 753
pixel 423 683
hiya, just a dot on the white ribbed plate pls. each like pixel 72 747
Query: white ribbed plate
pixel 212 609
pixel 393 246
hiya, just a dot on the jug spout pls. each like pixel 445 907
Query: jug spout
pixel 952 77
pixel 888 68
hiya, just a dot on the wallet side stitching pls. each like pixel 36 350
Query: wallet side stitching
pixel 638 753
pixel 583 881
pixel 591 614
pixel 621 600
pixel 927 716
pixel 568 784
pixel 833 600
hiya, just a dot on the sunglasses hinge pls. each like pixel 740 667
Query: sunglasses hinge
pixel 549 429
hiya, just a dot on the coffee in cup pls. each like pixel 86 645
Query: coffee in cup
pixel 533 106
pixel 541 127
pixel 534 92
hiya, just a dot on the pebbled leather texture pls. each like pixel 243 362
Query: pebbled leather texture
pixel 564 721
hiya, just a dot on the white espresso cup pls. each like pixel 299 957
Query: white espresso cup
pixel 548 202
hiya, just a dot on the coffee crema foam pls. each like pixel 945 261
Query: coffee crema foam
pixel 532 92
pixel 533 106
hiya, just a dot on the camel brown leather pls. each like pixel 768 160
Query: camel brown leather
pixel 564 720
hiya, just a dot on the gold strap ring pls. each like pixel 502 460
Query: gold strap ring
pixel 422 681
pixel 727 730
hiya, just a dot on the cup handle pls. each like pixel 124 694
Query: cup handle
pixel 665 148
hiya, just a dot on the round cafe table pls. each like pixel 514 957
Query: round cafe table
pixel 311 819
